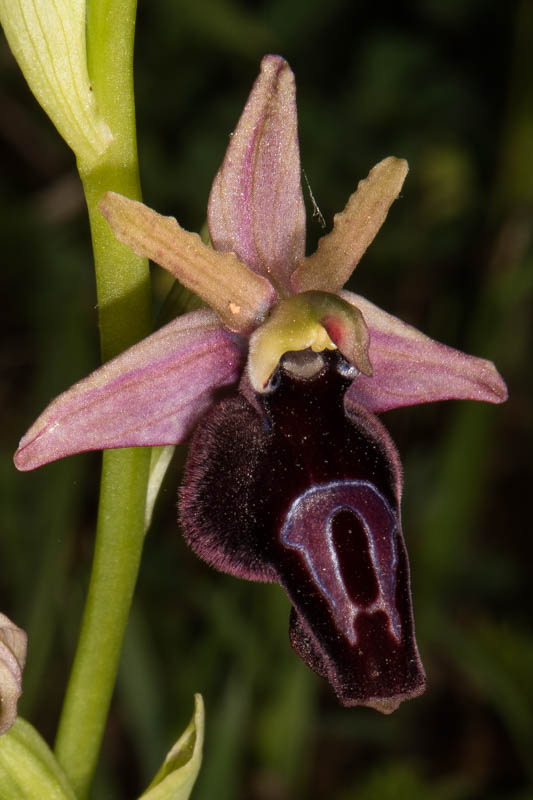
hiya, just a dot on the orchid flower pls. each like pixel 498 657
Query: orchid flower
pixel 290 476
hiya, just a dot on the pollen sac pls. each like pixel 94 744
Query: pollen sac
pixel 298 486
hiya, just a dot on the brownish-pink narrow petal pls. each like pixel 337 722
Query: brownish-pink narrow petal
pixel 239 296
pixel 354 229
pixel 152 394
pixel 410 368
pixel 256 206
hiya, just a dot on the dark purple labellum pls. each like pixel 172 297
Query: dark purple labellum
pixel 300 487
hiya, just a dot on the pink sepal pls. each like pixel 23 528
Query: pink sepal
pixel 410 368
pixel 151 394
pixel 256 207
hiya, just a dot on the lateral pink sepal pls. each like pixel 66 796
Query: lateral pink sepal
pixel 151 394
pixel 410 368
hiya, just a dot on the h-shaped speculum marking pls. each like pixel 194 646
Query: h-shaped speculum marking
pixel 308 528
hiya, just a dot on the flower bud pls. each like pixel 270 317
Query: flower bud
pixel 12 658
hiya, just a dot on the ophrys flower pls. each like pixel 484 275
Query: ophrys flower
pixel 291 477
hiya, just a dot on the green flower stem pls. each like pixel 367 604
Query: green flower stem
pixel 117 556
pixel 123 291
pixel 123 283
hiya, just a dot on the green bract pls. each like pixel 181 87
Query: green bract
pixel 28 768
pixel 176 777
pixel 47 38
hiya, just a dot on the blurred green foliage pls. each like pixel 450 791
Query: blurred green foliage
pixel 449 86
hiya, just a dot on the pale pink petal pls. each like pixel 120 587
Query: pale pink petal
pixel 256 206
pixel 410 368
pixel 152 394
pixel 239 296
pixel 354 229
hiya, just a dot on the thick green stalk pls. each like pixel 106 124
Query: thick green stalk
pixel 123 291
pixel 122 278
pixel 115 566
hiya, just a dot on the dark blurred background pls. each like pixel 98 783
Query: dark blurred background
pixel 449 86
